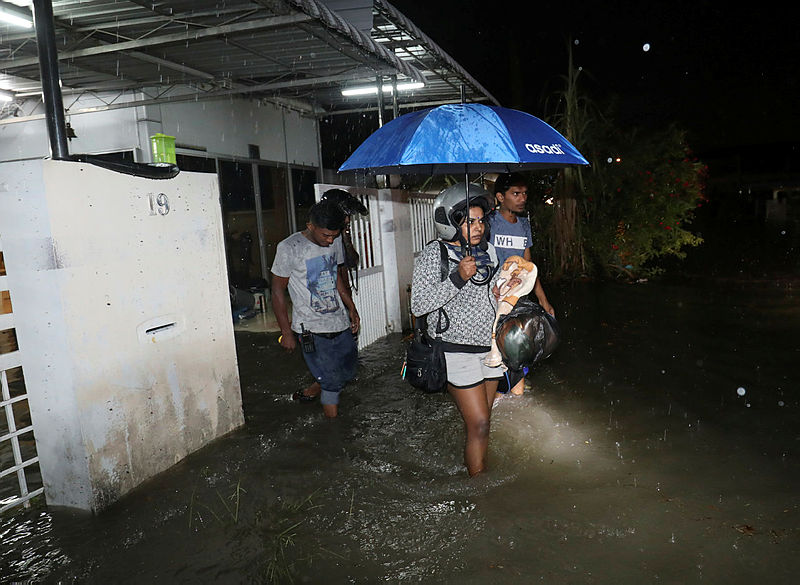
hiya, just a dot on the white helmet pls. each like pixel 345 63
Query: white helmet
pixel 454 198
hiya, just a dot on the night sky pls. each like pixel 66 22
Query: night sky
pixel 728 75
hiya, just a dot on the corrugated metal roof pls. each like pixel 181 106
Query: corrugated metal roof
pixel 276 49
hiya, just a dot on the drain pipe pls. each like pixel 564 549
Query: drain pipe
pixel 51 79
pixel 54 104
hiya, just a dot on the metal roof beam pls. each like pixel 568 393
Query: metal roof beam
pixel 138 55
pixel 181 37
pixel 118 24
pixel 334 22
pixel 401 22
pixel 170 65
pixel 402 106
pixel 268 88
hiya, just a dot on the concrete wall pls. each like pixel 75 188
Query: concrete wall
pixel 228 127
pixel 97 132
pixel 222 127
pixel 123 319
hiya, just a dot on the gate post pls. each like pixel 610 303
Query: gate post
pixel 398 254
pixel 122 313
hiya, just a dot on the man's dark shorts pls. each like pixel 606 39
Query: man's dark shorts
pixel 333 363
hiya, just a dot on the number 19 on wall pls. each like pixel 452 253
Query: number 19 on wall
pixel 159 204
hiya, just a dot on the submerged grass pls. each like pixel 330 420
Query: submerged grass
pixel 279 532
pixel 230 506
pixel 275 529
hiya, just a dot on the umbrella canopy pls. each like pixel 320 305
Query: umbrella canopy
pixel 460 138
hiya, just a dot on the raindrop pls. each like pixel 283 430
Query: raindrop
pixel 646 47
pixel 780 403
pixel 741 391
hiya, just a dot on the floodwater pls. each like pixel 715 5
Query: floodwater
pixel 660 444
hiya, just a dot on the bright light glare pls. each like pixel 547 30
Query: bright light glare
pixel 387 88
pixel 6 96
pixel 549 201
pixel 15 19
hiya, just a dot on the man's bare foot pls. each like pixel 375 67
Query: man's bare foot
pixel 330 410
pixel 310 394
pixel 313 390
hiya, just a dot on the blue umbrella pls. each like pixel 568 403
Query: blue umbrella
pixel 463 138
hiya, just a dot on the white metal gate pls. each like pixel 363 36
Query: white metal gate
pixel 367 284
pixel 368 289
pixel 19 474
pixel 422 228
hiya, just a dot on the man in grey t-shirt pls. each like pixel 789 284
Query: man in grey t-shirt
pixel 324 317
pixel 510 230
pixel 511 236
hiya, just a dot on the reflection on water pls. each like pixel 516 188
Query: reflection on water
pixel 634 458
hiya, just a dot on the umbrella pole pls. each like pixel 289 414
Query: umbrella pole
pixel 468 248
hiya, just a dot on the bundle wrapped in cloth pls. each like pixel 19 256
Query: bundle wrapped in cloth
pixel 523 333
pixel 526 335
pixel 516 279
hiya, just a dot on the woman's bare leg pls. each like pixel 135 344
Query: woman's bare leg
pixel 491 391
pixel 472 403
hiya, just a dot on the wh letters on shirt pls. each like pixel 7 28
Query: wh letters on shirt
pixel 501 241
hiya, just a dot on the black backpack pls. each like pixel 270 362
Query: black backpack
pixel 425 367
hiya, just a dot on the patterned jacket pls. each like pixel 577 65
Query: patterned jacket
pixel 469 308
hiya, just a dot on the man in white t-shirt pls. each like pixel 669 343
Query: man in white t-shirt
pixel 324 317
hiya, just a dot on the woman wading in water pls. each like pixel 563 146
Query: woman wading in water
pixel 462 303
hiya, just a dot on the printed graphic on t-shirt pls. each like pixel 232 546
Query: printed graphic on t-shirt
pixel 321 281
pixel 517 242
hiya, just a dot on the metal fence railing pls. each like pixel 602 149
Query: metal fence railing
pixel 20 479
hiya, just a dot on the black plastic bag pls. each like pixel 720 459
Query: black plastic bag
pixel 527 335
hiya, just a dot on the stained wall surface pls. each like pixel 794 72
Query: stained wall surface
pixel 123 320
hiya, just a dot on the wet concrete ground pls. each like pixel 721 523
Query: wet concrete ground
pixel 658 445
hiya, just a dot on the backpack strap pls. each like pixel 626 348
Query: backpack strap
pixel 442 320
pixel 445 262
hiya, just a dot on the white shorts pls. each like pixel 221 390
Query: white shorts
pixel 465 370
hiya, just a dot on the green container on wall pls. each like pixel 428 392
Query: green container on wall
pixel 163 148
